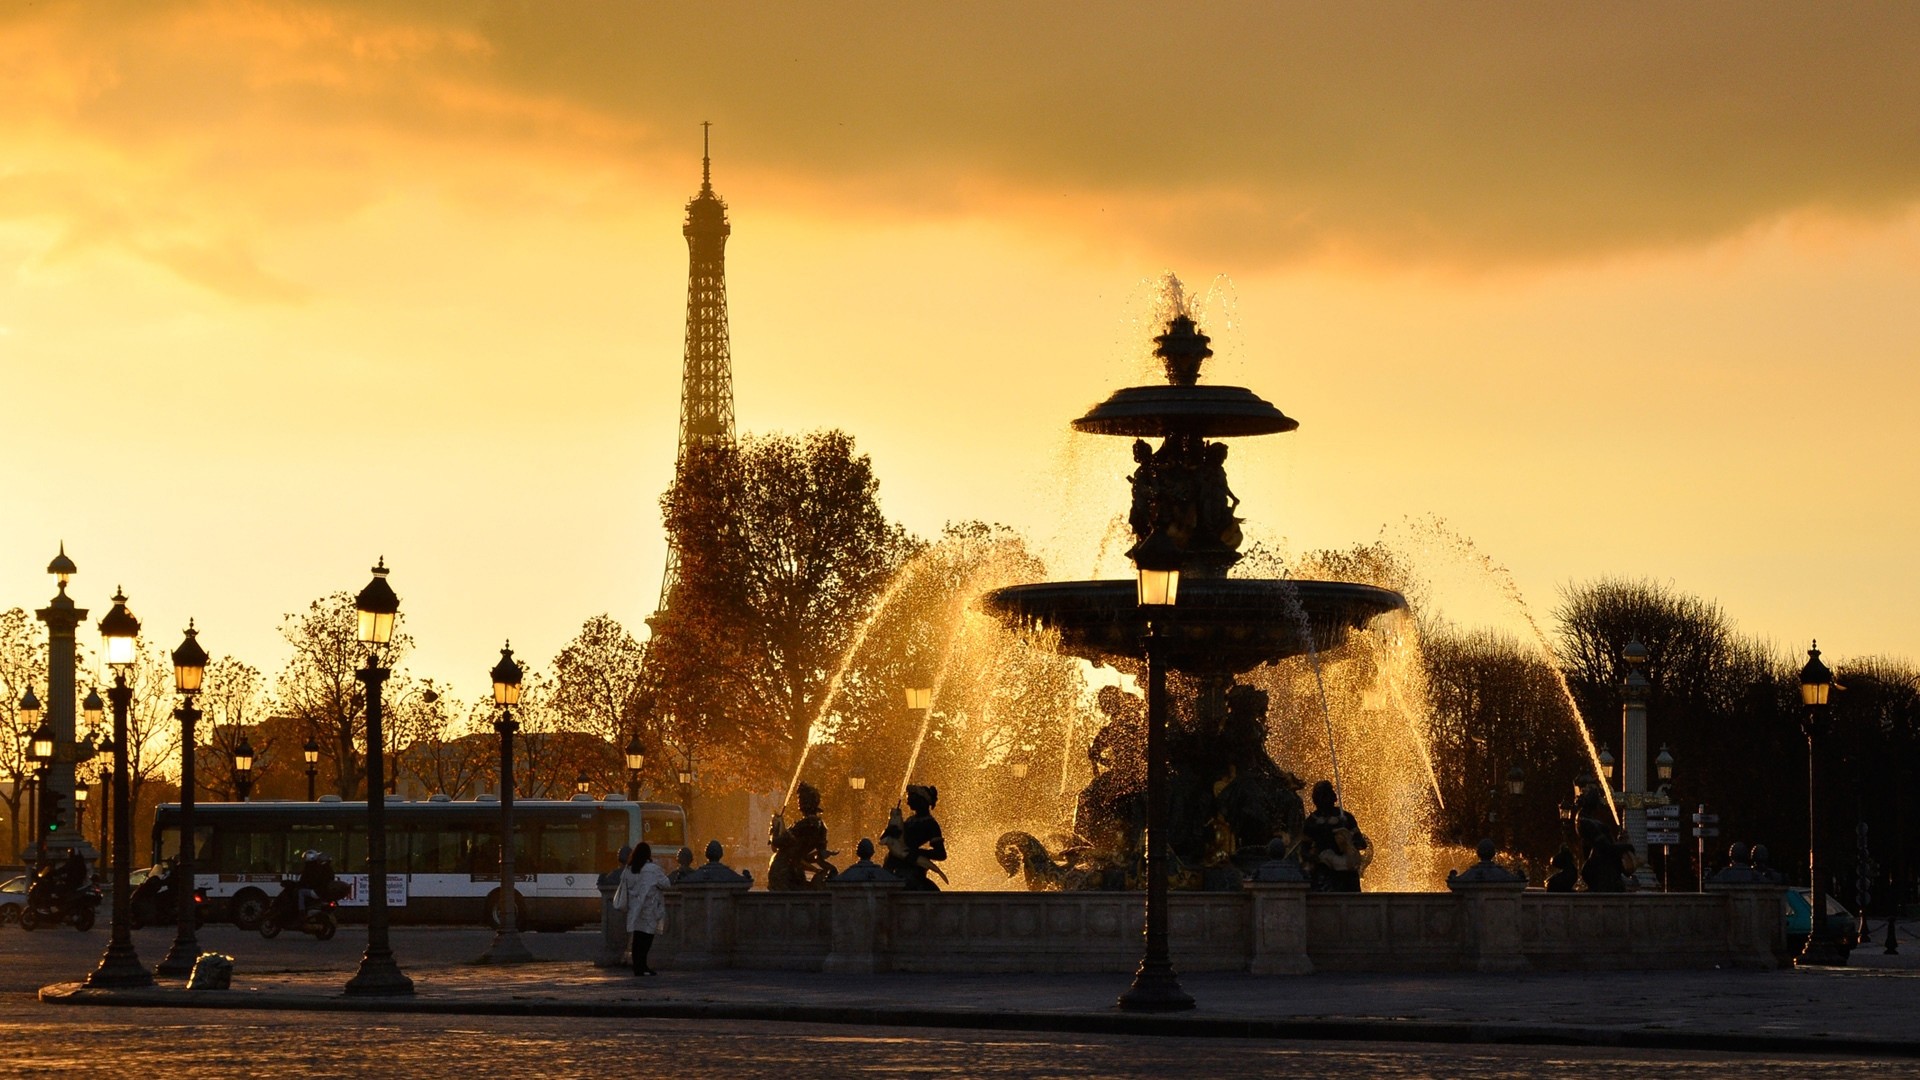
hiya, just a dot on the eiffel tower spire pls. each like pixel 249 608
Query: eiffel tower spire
pixel 706 382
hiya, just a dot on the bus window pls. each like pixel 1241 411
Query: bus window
pixel 325 839
pixel 663 832
pixel 614 827
pixel 202 849
pixel 261 850
pixel 485 851
pixel 438 851
pixel 566 848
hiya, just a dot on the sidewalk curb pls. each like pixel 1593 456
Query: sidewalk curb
pixel 1086 1023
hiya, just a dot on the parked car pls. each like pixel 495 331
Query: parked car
pixel 1840 921
pixel 13 899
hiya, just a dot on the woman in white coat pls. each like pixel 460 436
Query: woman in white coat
pixel 643 897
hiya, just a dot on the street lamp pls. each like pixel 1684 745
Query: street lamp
pixel 243 769
pixel 107 750
pixel 1516 781
pixel 80 809
pixel 1663 765
pixel 189 670
pixel 507 947
pixel 919 698
pixel 636 757
pixel 857 783
pixel 1155 987
pixel 377 606
pixel 94 710
pixel 583 784
pixel 40 749
pixel 120 966
pixel 1816 684
pixel 1606 762
pixel 311 754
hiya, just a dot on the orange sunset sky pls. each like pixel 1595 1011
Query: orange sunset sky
pixel 1622 289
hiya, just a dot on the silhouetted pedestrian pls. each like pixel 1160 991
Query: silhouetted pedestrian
pixel 642 896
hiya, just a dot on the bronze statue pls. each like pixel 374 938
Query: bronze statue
pixel 1336 852
pixel 800 852
pixel 915 843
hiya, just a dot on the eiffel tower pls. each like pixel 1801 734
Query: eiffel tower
pixel 706 381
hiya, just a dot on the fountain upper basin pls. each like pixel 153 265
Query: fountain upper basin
pixel 1220 625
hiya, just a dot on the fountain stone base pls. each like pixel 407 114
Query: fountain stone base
pixel 1265 929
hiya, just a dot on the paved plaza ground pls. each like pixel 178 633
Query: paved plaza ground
pixel 563 1011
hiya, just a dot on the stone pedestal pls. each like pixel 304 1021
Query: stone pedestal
pixel 862 926
pixel 613 927
pixel 1756 930
pixel 1279 931
pixel 707 926
pixel 1493 924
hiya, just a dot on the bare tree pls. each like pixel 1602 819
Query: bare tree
pixel 321 687
pixel 233 706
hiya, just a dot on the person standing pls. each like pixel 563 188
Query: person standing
pixel 642 896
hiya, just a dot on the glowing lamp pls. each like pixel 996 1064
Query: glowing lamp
pixel 311 752
pixel 29 710
pixel 377 605
pixel 506 678
pixel 1516 781
pixel 1816 682
pixel 583 783
pixel 94 709
pixel 636 754
pixel 119 629
pixel 189 663
pixel 243 757
pixel 1606 760
pixel 919 698
pixel 1663 764
pixel 42 748
pixel 857 780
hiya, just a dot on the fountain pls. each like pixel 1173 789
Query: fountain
pixel 1229 798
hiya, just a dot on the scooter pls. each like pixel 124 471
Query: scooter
pixel 155 903
pixel 75 906
pixel 317 919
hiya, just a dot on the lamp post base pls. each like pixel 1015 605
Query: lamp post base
pixel 1155 989
pixel 180 959
pixel 120 969
pixel 507 948
pixel 379 976
pixel 1821 952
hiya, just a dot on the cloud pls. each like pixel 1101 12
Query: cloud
pixel 1253 133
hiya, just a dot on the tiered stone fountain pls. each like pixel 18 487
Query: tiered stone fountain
pixel 1228 796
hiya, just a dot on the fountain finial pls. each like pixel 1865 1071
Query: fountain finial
pixel 1182 348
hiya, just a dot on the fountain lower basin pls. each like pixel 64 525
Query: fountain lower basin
pixel 1219 626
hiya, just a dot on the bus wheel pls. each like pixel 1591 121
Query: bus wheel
pixel 249 907
pixel 519 910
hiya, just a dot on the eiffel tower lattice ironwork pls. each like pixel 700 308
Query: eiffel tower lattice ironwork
pixel 706 384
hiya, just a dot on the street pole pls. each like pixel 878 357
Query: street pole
pixel 1155 986
pixel 379 974
pixel 120 966
pixel 186 947
pixel 507 947
pixel 1816 682
pixel 1893 871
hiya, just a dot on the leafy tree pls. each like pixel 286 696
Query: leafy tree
pixel 445 747
pixel 22 665
pixel 783 550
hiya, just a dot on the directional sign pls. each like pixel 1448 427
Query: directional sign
pixel 1706 819
pixel 1663 837
pixel 1663 811
pixel 1706 830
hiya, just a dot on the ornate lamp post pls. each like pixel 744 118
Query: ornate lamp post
pixel 1816 683
pixel 507 948
pixel 80 808
pixel 311 754
pixel 583 784
pixel 857 783
pixel 1155 987
pixel 120 966
pixel 636 757
pixel 377 606
pixel 189 669
pixel 243 770
pixel 686 784
pixel 1516 787
pixel 1607 763
pixel 35 738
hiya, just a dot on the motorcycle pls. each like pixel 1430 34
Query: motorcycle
pixel 283 914
pixel 155 903
pixel 76 906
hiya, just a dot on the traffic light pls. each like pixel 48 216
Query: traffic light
pixel 53 805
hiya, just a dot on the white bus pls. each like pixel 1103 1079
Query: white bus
pixel 443 857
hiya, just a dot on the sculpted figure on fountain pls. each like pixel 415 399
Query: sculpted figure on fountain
pixel 800 851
